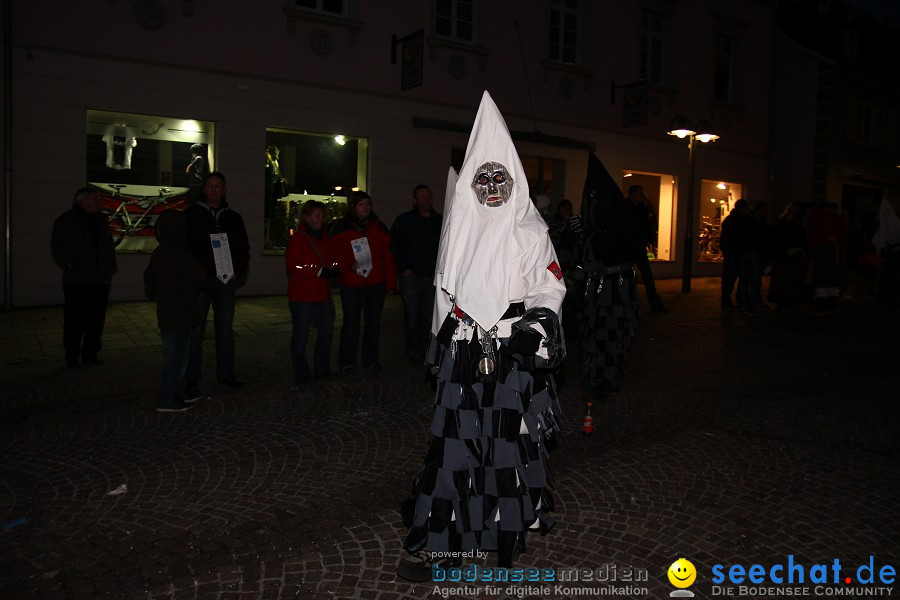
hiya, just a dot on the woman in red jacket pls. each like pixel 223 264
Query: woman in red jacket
pixel 362 244
pixel 310 263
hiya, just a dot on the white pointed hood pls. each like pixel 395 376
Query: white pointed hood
pixel 479 243
pixel 452 178
pixel 888 232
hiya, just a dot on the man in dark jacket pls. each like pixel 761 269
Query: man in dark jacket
pixel 218 240
pixel 83 248
pixel 173 280
pixel 644 222
pixel 414 243
pixel 755 254
pixel 731 242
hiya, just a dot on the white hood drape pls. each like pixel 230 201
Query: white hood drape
pixel 479 243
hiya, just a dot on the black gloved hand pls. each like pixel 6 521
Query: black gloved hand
pixel 523 343
pixel 330 273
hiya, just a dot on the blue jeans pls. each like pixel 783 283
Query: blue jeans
pixel 303 315
pixel 356 302
pixel 221 298
pixel 417 292
pixel 176 351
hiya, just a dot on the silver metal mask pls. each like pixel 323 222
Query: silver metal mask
pixel 492 184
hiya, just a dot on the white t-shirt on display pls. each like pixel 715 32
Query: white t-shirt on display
pixel 120 141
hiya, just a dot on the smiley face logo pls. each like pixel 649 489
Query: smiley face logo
pixel 682 573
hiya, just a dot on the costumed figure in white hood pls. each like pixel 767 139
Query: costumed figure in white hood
pixel 495 337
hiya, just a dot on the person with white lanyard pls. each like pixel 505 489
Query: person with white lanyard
pixel 218 239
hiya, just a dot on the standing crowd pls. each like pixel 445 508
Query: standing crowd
pixel 812 254
pixel 365 260
pixel 203 258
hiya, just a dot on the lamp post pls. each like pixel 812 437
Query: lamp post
pixel 681 128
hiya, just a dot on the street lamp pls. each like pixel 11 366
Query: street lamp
pixel 681 128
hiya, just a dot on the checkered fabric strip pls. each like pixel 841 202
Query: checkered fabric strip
pixel 609 323
pixel 486 474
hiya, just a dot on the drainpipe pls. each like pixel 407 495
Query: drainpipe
pixel 7 149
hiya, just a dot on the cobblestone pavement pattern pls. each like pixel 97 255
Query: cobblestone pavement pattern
pixel 733 441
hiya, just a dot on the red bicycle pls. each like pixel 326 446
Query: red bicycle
pixel 136 216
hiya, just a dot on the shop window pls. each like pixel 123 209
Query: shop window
pixel 455 19
pixel 563 32
pixel 301 166
pixel 717 198
pixel 659 196
pixel 546 177
pixel 142 165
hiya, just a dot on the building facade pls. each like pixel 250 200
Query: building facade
pixel 836 78
pixel 299 99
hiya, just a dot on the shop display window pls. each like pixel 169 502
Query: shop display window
pixel 301 166
pixel 717 198
pixel 658 224
pixel 141 165
pixel 547 178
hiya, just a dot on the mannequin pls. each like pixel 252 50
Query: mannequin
pixel 196 169
pixel 276 187
pixel 120 141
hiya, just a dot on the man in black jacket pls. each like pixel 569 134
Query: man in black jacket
pixel 731 242
pixel 218 239
pixel 414 243
pixel 644 222
pixel 83 248
pixel 173 280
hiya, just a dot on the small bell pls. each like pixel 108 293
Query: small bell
pixel 486 365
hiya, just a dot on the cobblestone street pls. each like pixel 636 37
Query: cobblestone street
pixel 735 440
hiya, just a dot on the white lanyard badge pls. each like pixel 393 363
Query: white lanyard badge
pixel 362 254
pixel 222 256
